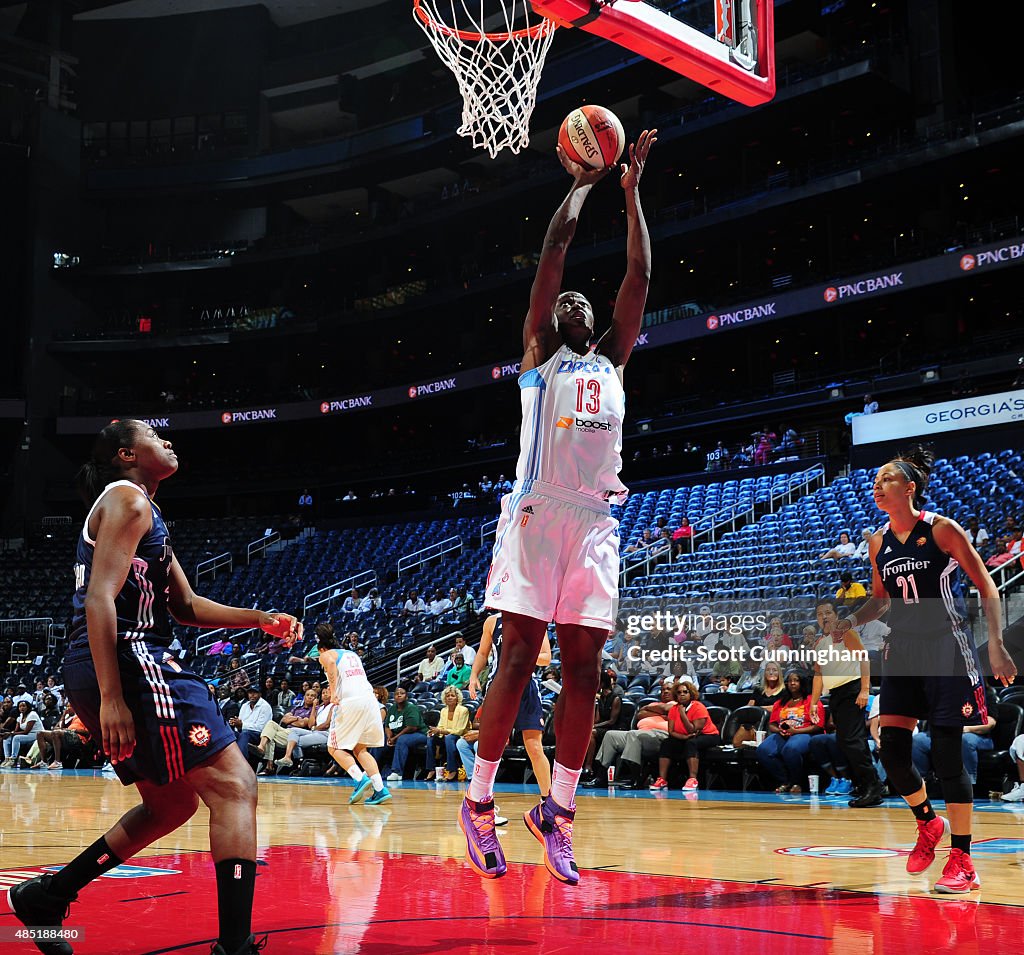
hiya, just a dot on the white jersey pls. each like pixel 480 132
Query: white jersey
pixel 350 680
pixel 573 408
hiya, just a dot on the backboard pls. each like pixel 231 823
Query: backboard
pixel 738 61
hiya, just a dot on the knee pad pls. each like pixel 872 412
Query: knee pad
pixel 895 752
pixel 948 760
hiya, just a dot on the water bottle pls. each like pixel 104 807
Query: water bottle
pixel 611 775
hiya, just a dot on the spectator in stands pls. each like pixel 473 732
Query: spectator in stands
pixel 606 716
pixel 370 602
pixel 49 713
pixel 645 541
pixel 284 697
pixel 405 731
pixel 352 601
pixel 451 727
pixel 976 534
pixel 22 695
pixel 768 687
pixel 37 696
pixel 235 676
pixel 845 548
pixel 458 675
pixel 253 716
pixel 430 666
pixel 440 604
pixel 718 458
pixel 682 537
pixel 269 688
pixel 850 592
pixel 662 544
pixel 465 606
pixel 69 733
pixel 727 668
pixel 790 727
pixel 503 485
pixel 690 732
pixel 789 446
pixel 1011 551
pixel 1016 794
pixel 631 747
pixel 870 405
pixel 463 648
pixel 350 495
pixel 299 717
pixel 315 735
pixel 764 443
pixel 26 727
pixel 776 637
pixel 615 651
pixel 861 553
pixel 51 685
pixel 8 715
pixel 414 603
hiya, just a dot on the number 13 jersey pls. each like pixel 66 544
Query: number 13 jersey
pixel 923 582
pixel 573 408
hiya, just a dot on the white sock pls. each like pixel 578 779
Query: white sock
pixel 356 772
pixel 481 787
pixel 563 785
pixel 378 783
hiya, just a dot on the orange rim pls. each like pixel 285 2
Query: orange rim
pixel 470 36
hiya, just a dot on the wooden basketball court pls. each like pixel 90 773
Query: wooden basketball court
pixel 714 869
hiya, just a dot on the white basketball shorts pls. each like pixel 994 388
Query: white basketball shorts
pixel 358 721
pixel 556 557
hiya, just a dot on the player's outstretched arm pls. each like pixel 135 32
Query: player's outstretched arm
pixel 540 337
pixel 628 315
pixel 191 610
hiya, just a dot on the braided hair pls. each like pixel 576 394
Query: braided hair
pixel 102 466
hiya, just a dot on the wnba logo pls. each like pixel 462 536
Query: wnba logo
pixel 225 418
pixel 712 322
pixel 967 262
pixel 831 294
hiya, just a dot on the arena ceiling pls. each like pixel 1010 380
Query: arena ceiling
pixel 284 13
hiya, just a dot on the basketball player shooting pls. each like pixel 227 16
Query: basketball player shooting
pixel 556 553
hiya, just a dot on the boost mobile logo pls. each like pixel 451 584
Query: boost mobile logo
pixel 874 284
pixel 583 425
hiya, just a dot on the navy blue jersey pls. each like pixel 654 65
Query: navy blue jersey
pixel 923 582
pixel 142 601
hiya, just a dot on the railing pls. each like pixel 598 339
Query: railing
pixel 25 627
pixel 206 640
pixel 259 548
pixel 213 565
pixel 336 590
pixel 440 550
pixel 1011 599
pixel 488 529
pixel 422 648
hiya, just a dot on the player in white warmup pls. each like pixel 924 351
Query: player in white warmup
pixel 357 723
pixel 556 553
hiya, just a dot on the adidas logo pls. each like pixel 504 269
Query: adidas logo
pixel 528 509
pixel 888 550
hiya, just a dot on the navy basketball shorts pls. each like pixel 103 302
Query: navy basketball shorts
pixel 531 713
pixel 177 725
pixel 937 679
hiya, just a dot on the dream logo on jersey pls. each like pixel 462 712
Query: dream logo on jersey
pixel 199 735
pixel 967 709
pixel 921 541
pixel 571 366
pixel 497 587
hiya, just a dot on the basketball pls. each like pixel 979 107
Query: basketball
pixel 592 136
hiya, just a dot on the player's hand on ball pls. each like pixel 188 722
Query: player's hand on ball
pixel 638 151
pixel 585 177
pixel 284 626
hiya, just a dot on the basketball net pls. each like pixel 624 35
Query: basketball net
pixel 497 70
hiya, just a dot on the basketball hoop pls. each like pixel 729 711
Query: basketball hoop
pixel 497 71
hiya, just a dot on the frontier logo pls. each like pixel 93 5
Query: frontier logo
pixel 864 287
pixel 503 371
pixel 346 404
pixel 432 388
pixel 257 414
pixel 741 315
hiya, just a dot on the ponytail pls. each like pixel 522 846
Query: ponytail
pixel 102 467
pixel 916 465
